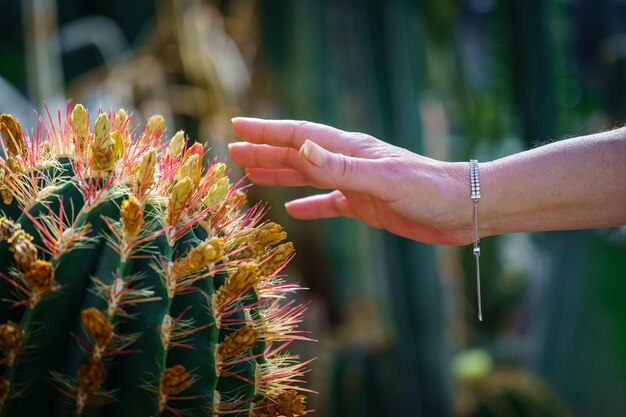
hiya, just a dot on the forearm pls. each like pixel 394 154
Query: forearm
pixel 577 183
pixel 571 184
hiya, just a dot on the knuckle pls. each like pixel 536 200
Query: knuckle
pixel 393 170
pixel 393 175
pixel 301 129
pixel 347 167
pixel 361 137
pixel 255 157
pixel 290 158
pixel 304 126
pixel 340 204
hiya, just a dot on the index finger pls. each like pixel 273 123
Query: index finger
pixel 293 133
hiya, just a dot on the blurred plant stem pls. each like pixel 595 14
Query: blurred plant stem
pixel 43 51
pixel 357 65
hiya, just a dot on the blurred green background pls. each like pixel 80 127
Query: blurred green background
pixel 451 79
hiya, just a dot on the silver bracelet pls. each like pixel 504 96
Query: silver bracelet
pixel 475 196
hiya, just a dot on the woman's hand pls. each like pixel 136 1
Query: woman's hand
pixel 383 185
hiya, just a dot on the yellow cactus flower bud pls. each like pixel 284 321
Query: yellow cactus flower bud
pixel 283 252
pixel 80 123
pixel 176 145
pixel 191 168
pixel 156 126
pixel 179 195
pixel 97 326
pixel 102 131
pixel 25 253
pixel 147 168
pixel 238 199
pixel 120 120
pixel 278 257
pixel 198 258
pixel 217 171
pixel 212 249
pixel 14 164
pixel 11 337
pixel 217 193
pixel 245 276
pixel 195 153
pixel 7 196
pixel 91 375
pixel 7 228
pixel 287 403
pixel 17 152
pixel 103 146
pixel 267 235
pixel 5 192
pixel 237 342
pixel 13 136
pixel 174 380
pixel 17 236
pixel 118 145
pixel 132 217
pixel 40 277
pixel 241 238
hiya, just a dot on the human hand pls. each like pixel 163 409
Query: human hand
pixel 383 185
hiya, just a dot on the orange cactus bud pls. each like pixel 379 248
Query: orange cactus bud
pixel 237 343
pixel 174 380
pixel 131 213
pixel 91 375
pixel 245 276
pixel 97 326
pixel 13 136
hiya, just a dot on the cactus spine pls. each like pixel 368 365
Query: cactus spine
pixel 134 282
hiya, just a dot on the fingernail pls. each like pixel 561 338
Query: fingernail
pixel 239 119
pixel 313 153
pixel 242 119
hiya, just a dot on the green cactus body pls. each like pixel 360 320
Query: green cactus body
pixel 133 281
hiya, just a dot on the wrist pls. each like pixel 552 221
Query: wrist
pixel 460 221
pixel 488 197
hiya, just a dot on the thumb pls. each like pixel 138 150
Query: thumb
pixel 338 171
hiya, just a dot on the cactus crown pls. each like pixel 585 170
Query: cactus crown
pixel 134 282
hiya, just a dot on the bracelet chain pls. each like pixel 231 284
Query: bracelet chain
pixel 475 196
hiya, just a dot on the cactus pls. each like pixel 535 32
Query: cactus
pixel 134 282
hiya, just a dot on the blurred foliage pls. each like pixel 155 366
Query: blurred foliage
pixel 356 65
pixel 451 79
pixel 454 79
pixel 508 392
pixel 188 68
pixel 505 391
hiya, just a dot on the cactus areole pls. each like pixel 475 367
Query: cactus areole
pixel 134 282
